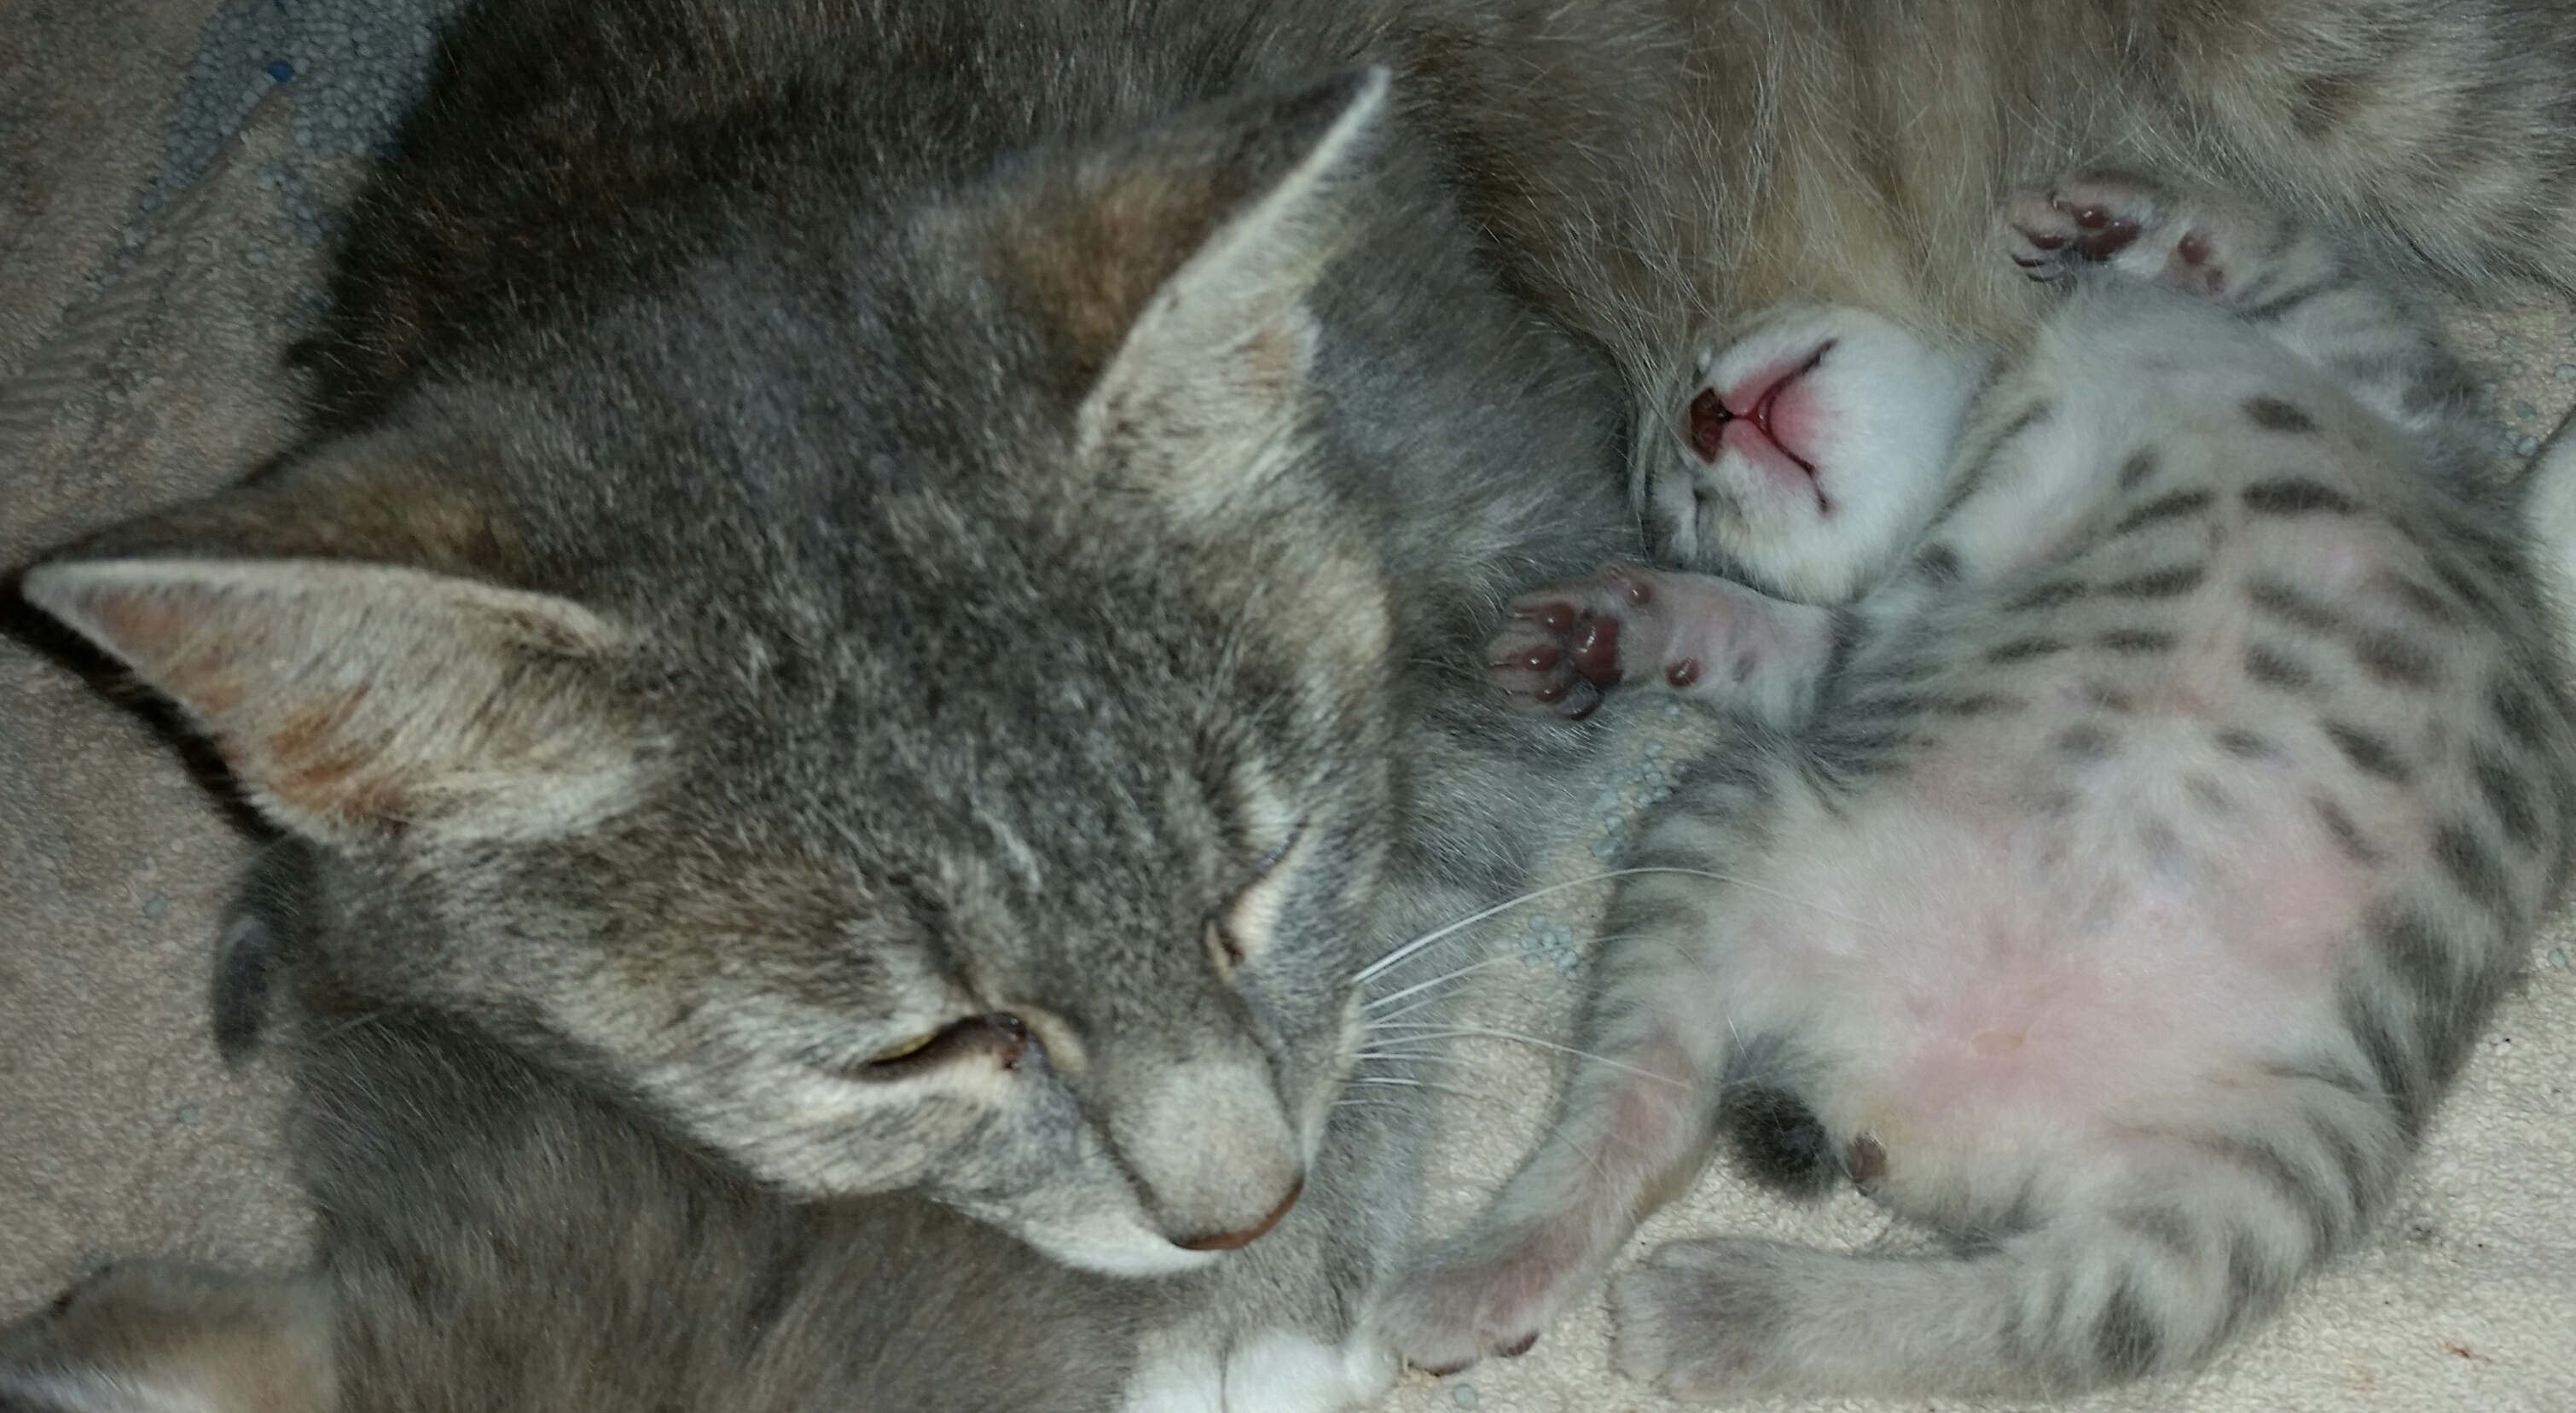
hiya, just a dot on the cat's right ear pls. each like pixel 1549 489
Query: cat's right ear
pixel 1177 269
pixel 358 701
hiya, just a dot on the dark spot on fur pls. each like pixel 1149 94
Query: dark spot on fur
pixel 2024 649
pixel 2157 584
pixel 2368 753
pixel 2243 744
pixel 2422 600
pixel 1980 704
pixel 2288 604
pixel 2297 496
pixel 2472 866
pixel 2384 1048
pixel 2126 1342
pixel 2415 954
pixel 2519 710
pixel 2207 793
pixel 2508 794
pixel 2051 595
pixel 2137 640
pixel 2394 661
pixel 2347 835
pixel 2140 465
pixel 2274 1168
pixel 2163 508
pixel 2085 742
pixel 1939 563
pixel 2273 415
pixel 2274 668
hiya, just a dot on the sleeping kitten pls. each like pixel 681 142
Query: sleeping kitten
pixel 2136 826
pixel 495 1237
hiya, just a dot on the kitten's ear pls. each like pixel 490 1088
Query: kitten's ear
pixel 360 700
pixel 1210 376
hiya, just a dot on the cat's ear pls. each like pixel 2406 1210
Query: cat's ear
pixel 356 701
pixel 1209 380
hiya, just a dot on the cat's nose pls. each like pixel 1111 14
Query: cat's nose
pixel 1211 1151
pixel 1237 1240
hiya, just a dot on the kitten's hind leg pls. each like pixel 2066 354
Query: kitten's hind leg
pixel 1566 644
pixel 1633 1127
pixel 2149 1251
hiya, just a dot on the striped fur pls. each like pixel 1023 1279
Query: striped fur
pixel 2182 801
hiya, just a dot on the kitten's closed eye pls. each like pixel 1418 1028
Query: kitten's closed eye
pixel 1000 1035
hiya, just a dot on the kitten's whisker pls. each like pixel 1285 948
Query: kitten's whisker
pixel 1393 997
pixel 1401 953
pixel 1465 1030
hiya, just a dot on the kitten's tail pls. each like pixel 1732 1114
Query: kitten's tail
pixel 2144 1267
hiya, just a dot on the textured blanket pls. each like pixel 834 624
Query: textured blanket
pixel 167 169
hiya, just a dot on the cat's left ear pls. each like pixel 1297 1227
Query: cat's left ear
pixel 356 702
pixel 1209 383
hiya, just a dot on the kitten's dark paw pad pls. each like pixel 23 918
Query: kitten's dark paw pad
pixel 2189 240
pixel 1560 648
pixel 1455 1309
pixel 1701 1319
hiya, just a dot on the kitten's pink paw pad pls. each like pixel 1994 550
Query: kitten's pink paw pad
pixel 1701 1319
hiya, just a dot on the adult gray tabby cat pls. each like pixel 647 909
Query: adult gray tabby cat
pixel 906 583
pixel 2118 879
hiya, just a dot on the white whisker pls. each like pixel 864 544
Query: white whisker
pixel 1399 955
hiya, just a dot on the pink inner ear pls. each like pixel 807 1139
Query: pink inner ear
pixel 1708 419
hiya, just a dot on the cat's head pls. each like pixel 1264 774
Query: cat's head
pixel 908 704
pixel 1805 453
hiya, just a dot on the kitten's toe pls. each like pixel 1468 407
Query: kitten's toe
pixel 1537 671
pixel 1702 1319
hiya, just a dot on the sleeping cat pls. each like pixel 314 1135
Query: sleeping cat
pixel 905 584
pixel 2143 808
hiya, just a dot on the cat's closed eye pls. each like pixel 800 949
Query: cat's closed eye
pixel 999 1035
pixel 1239 935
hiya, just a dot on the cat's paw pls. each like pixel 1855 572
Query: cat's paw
pixel 1566 644
pixel 1700 1319
pixel 1493 1295
pixel 2195 241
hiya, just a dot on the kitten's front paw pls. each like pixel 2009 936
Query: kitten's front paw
pixel 2194 242
pixel 1566 644
pixel 1471 1299
pixel 1702 1319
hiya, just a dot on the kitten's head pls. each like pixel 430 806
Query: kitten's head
pixel 910 706
pixel 1803 456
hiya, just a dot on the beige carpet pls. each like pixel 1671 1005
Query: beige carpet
pixel 144 295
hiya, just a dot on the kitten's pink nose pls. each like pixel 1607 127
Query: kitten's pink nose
pixel 1236 1240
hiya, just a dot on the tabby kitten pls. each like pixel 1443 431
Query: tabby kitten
pixel 2118 876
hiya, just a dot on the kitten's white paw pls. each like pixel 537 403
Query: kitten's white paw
pixel 1277 1371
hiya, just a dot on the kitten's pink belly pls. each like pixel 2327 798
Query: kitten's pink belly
pixel 1990 963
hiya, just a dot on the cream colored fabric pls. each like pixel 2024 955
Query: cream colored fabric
pixel 136 371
